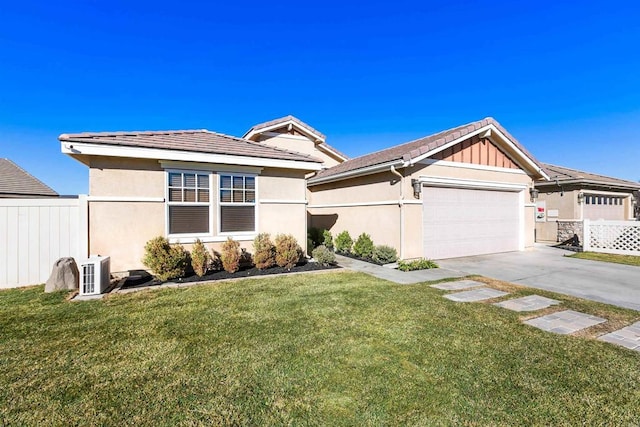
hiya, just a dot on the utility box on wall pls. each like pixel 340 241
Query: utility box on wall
pixel 95 275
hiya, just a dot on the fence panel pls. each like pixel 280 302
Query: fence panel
pixel 614 237
pixel 34 233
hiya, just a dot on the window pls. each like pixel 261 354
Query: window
pixel 189 202
pixel 237 203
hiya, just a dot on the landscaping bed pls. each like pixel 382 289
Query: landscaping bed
pixel 141 280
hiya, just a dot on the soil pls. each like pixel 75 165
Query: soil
pixel 142 278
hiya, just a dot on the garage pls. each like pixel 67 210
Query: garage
pixel 597 206
pixel 461 222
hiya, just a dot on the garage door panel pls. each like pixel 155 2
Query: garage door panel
pixel 464 222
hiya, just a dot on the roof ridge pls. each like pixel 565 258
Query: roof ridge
pixel 133 132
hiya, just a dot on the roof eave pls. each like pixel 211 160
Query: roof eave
pixel 594 183
pixel 74 148
pixel 369 170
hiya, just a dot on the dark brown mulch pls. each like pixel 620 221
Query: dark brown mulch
pixel 142 278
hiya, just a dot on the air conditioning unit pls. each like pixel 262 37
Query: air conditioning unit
pixel 95 275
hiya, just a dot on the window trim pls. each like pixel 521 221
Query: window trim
pixel 220 204
pixel 170 203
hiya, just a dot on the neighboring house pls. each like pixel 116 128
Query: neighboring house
pixel 461 192
pixel 570 196
pixel 291 133
pixel 15 182
pixel 187 185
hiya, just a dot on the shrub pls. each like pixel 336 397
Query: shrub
pixel 166 261
pixel 315 235
pixel 231 255
pixel 384 254
pixel 216 260
pixel 363 247
pixel 264 252
pixel 344 242
pixel 327 239
pixel 416 264
pixel 323 255
pixel 288 252
pixel 200 258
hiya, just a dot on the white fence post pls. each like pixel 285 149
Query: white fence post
pixel 586 235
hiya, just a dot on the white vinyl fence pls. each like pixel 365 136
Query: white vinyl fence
pixel 34 233
pixel 613 237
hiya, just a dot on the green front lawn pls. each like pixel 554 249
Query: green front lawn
pixel 323 349
pixel 618 259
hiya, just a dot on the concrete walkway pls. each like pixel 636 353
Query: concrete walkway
pixel 544 267
pixel 397 276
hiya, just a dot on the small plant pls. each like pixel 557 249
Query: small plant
pixel 216 260
pixel 384 254
pixel 327 239
pixel 165 261
pixel 231 255
pixel 363 247
pixel 288 252
pixel 416 264
pixel 200 258
pixel 344 242
pixel 323 255
pixel 264 252
pixel 315 235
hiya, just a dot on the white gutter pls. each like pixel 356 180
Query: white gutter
pixel 401 204
pixel 357 172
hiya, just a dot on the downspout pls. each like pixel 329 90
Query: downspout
pixel 401 205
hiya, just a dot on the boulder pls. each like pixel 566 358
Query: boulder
pixel 64 276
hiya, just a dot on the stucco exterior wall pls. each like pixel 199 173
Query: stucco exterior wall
pixel 567 207
pixel 300 144
pixel 122 218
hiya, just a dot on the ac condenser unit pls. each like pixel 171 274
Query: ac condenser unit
pixel 95 275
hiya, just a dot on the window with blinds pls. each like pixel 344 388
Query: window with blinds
pixel 237 203
pixel 189 202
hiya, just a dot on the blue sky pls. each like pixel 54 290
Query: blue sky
pixel 564 80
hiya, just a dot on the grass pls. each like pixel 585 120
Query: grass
pixel 328 349
pixel 618 259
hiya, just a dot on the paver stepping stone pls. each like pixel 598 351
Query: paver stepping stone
pixel 565 322
pixel 528 303
pixel 458 285
pixel 478 294
pixel 628 337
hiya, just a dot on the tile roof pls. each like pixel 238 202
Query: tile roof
pixel 415 148
pixel 285 119
pixel 200 141
pixel 563 174
pixel 303 125
pixel 15 181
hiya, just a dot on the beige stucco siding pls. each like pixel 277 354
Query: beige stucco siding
pixel 122 218
pixel 300 144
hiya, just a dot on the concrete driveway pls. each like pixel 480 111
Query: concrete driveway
pixel 544 267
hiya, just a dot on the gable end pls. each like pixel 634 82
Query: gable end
pixel 477 151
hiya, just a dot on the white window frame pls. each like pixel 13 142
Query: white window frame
pixel 169 203
pixel 221 204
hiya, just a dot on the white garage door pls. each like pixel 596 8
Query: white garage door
pixel 464 222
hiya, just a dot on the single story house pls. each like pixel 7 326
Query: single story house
pixel 464 191
pixel 15 182
pixel 571 196
pixel 187 185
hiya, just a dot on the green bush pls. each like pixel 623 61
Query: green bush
pixel 315 235
pixel 363 247
pixel 323 255
pixel 288 252
pixel 344 242
pixel 264 252
pixel 165 261
pixel 416 264
pixel 216 260
pixel 327 239
pixel 384 254
pixel 200 258
pixel 231 255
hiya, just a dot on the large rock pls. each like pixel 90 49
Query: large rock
pixel 64 276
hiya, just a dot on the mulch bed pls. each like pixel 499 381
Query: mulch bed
pixel 142 278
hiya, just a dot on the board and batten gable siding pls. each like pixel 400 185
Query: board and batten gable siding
pixel 35 233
